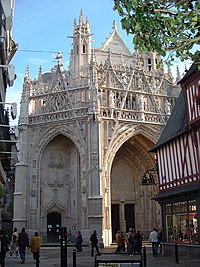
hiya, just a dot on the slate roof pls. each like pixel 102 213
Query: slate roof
pixel 176 125
pixel 193 69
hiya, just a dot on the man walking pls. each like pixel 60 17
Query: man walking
pixel 94 241
pixel 23 242
pixel 154 239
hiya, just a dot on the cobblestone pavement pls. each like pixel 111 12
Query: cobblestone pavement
pixel 50 257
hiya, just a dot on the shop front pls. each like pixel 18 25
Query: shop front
pixel 181 220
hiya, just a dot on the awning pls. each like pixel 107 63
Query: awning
pixel 192 188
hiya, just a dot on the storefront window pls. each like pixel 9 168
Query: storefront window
pixel 181 222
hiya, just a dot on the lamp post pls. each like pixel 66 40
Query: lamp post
pixel 13 109
pixel 11 73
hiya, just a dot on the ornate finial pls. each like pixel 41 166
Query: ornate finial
pixel 27 72
pixel 81 17
pixel 87 22
pixel 40 70
pixel 178 75
pixel 75 24
pixel 169 73
pixel 114 25
pixel 81 13
pixel 40 73
pixel 59 59
pixel 92 60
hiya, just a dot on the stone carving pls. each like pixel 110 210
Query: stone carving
pixel 55 172
pixel 167 107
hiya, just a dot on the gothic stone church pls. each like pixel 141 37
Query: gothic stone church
pixel 84 137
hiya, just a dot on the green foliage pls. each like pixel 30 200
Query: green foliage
pixel 168 27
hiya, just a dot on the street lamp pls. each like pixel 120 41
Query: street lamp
pixel 13 111
pixel 11 73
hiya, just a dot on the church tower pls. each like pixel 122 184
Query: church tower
pixel 81 52
pixel 84 136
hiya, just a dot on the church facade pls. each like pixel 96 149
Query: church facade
pixel 84 137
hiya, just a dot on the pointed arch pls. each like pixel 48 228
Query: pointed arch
pixel 54 207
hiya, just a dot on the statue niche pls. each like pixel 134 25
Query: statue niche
pixel 55 169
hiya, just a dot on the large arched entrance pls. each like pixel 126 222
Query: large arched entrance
pixel 131 204
pixel 60 186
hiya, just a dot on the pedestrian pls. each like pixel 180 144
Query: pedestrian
pixel 14 243
pixel 35 245
pixel 160 242
pixel 138 242
pixel 130 244
pixel 119 241
pixel 94 241
pixel 123 242
pixel 4 242
pixel 154 239
pixel 23 242
pixel 79 241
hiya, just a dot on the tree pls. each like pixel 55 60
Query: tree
pixel 170 28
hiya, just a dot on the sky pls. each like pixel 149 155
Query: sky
pixel 41 29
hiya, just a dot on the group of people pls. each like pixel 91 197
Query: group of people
pixel 20 242
pixel 132 239
pixel 93 239
pixel 18 245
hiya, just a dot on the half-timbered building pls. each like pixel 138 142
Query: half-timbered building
pixel 178 158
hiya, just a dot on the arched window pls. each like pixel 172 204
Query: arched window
pixel 149 64
pixel 83 49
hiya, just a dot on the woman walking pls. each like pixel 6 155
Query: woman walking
pixel 35 245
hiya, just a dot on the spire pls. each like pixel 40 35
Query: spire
pixel 178 75
pixel 59 59
pixel 81 18
pixel 169 73
pixel 75 23
pixel 93 84
pixel 24 107
pixel 80 54
pixel 88 24
pixel 26 77
pixel 114 25
pixel 27 72
pixel 40 73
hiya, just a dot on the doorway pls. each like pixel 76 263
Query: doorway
pixel 53 227
pixel 129 216
pixel 115 220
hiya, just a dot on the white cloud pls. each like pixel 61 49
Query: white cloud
pixel 37 61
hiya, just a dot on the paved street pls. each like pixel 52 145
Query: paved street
pixel 50 257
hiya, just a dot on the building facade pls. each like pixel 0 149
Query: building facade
pixel 84 136
pixel 178 153
pixel 7 50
